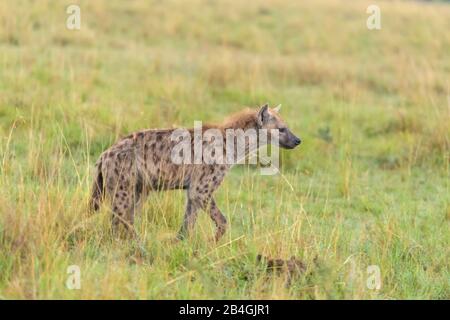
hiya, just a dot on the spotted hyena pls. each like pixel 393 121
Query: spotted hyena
pixel 143 162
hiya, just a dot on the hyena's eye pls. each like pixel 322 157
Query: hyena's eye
pixel 282 130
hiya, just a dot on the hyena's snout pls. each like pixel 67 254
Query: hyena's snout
pixel 296 140
pixel 288 140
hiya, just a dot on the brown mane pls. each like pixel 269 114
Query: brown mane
pixel 243 119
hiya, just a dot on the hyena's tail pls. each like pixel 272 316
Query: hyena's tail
pixel 98 190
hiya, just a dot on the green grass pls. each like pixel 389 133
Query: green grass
pixel 370 183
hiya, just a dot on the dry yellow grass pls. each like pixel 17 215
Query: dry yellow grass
pixel 370 183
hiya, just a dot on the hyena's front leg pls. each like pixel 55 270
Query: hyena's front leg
pixel 208 204
pixel 190 217
pixel 218 218
pixel 200 197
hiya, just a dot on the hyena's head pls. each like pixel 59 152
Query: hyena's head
pixel 269 118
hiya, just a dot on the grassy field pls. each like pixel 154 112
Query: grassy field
pixel 370 185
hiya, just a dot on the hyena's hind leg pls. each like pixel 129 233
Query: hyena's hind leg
pixel 122 188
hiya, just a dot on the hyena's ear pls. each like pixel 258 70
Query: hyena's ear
pixel 263 115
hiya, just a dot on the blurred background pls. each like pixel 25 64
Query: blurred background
pixel 369 185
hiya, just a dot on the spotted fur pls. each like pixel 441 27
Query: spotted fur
pixel 141 163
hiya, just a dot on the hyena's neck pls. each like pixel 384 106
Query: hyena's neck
pixel 241 124
pixel 245 120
